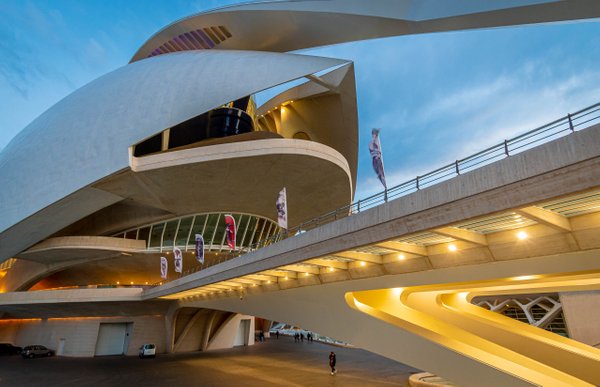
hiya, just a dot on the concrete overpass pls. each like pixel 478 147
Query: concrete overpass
pixel 364 280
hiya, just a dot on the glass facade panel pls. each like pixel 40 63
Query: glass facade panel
pixel 156 234
pixel 210 229
pixel 198 229
pixel 143 234
pixel 220 231
pixel 169 234
pixel 184 230
pixel 260 224
pixel 250 230
pixel 241 229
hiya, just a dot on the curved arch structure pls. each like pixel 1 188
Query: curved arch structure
pixel 176 132
pixel 93 128
pixel 320 23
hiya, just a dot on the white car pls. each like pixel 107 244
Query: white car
pixel 147 350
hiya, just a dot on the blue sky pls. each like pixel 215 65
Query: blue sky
pixel 437 97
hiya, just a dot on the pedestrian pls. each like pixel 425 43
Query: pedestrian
pixel 332 361
pixel 302 337
pixel 277 334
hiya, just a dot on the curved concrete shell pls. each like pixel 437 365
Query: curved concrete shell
pixel 47 169
pixel 295 25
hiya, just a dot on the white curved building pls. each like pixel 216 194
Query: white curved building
pixel 137 162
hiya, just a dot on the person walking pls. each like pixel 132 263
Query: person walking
pixel 332 362
pixel 277 334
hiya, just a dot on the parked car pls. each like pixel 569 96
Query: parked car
pixel 32 351
pixel 9 349
pixel 147 350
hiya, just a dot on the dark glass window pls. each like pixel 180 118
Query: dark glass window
pixel 184 230
pixel 155 238
pixel 143 234
pixel 189 132
pixel 169 235
pixel 151 145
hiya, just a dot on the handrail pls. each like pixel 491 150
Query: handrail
pixel 561 127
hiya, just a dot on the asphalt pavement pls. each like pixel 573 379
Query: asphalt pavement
pixel 275 362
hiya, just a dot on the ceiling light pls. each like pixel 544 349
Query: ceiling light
pixel 452 247
pixel 401 257
pixel 362 263
pixel 522 235
pixel 331 269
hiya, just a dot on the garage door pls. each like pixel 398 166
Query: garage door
pixel 111 339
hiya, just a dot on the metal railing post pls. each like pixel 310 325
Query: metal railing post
pixel 570 122
pixel 456 167
pixel 418 188
pixel 506 147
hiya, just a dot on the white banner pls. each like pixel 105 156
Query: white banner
pixel 164 267
pixel 200 248
pixel 281 205
pixel 178 260
pixel 377 156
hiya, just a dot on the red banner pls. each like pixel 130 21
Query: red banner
pixel 230 231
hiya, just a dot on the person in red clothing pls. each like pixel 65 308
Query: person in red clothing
pixel 332 362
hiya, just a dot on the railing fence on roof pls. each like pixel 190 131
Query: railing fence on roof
pixel 561 127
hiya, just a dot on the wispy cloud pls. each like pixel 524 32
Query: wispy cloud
pixel 463 122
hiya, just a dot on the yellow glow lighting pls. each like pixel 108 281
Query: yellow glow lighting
pixel 269 281
pixel 401 257
pixel 362 263
pixel 118 282
pixel 522 235
pixel 306 274
pixel 452 247
pixel 331 269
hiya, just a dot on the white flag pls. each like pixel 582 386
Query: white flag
pixel 377 156
pixel 178 260
pixel 164 267
pixel 281 205
pixel 200 248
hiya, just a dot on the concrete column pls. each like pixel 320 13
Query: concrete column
pixel 582 313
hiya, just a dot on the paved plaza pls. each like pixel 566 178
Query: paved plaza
pixel 276 362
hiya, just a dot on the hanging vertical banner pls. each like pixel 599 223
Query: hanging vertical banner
pixel 200 248
pixel 377 157
pixel 164 267
pixel 230 231
pixel 281 206
pixel 178 260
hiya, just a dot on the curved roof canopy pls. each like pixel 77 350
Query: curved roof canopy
pixel 293 25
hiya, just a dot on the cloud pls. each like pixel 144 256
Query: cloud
pixel 469 119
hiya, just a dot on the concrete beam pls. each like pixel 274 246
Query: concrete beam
pixel 301 269
pixel 261 277
pixel 326 263
pixel 279 274
pixel 403 247
pixel 545 217
pixel 462 235
pixel 355 255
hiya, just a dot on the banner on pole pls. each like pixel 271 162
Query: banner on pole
pixel 178 260
pixel 164 267
pixel 230 231
pixel 281 206
pixel 377 157
pixel 200 248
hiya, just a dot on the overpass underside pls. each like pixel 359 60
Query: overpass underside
pixel 398 279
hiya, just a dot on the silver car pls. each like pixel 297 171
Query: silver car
pixel 32 351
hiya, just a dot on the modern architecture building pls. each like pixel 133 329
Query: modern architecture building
pixel 136 163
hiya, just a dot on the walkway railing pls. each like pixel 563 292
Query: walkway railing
pixel 561 127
